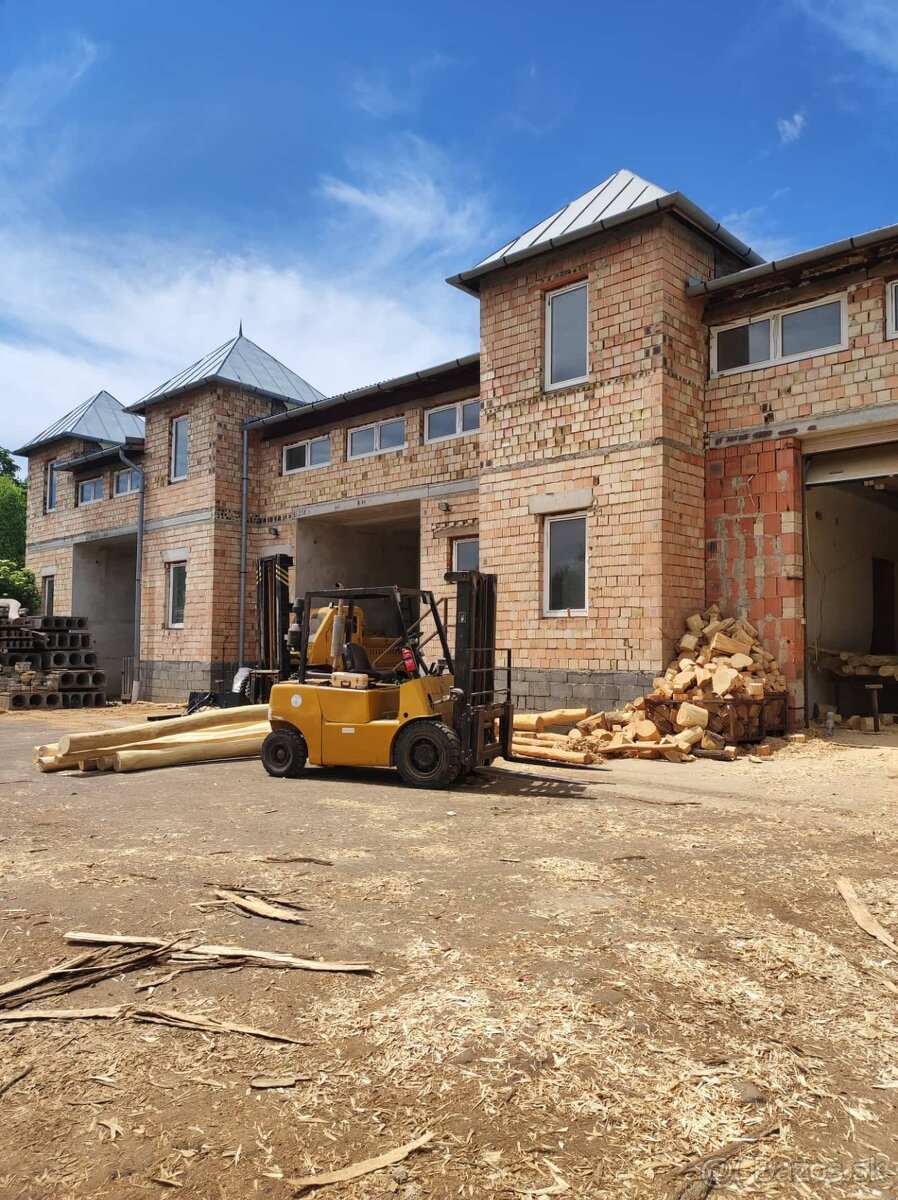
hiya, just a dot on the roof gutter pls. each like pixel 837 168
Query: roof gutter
pixel 804 259
pixel 374 389
pixel 673 200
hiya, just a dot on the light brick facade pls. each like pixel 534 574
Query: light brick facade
pixel 692 485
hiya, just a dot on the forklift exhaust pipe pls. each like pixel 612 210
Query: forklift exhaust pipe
pixel 338 637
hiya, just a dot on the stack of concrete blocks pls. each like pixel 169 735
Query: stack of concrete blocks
pixel 48 662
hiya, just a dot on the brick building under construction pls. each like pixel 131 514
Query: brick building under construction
pixel 657 419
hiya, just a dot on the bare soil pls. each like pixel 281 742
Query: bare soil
pixel 586 980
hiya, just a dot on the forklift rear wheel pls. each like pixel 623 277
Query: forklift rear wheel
pixel 427 754
pixel 284 753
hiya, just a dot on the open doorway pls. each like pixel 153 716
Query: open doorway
pixel 851 540
pixel 103 586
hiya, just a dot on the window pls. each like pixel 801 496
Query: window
pixel 374 439
pixel 566 336
pixel 302 455
pixel 52 485
pixel 452 420
pixel 127 481
pixel 892 309
pixel 180 432
pixel 780 337
pixel 48 594
pixel 177 594
pixel 90 490
pixel 466 554
pixel 565 566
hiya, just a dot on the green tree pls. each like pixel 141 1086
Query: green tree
pixel 18 583
pixel 12 520
pixel 8 467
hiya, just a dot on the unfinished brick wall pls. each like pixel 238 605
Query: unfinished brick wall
pixel 631 438
pixel 754 548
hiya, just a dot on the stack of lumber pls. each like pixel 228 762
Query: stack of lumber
pixel 48 662
pixel 844 662
pixel 203 737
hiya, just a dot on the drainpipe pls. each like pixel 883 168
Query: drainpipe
pixel 244 504
pixel 138 577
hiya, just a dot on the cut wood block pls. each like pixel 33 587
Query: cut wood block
pixel 686 663
pixel 646 731
pixel 690 714
pixel 723 680
pixel 695 623
pixel 690 737
pixel 715 627
pixel 688 642
pixel 722 643
pixel 747 629
pixel 726 754
pixel 684 680
pixel 713 741
pixel 596 721
pixel 741 662
pixel 528 722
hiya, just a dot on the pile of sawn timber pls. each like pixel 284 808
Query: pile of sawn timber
pixel 709 698
pixel 203 737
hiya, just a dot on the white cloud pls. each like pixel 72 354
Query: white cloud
pixel 869 27
pixel 376 95
pixel 758 228
pixel 80 312
pixel 791 128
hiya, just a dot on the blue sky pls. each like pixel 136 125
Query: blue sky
pixel 167 169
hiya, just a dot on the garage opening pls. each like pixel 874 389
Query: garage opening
pixel 103 585
pixel 851 538
pixel 364 547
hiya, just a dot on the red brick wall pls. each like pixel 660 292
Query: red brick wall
pixel 754 548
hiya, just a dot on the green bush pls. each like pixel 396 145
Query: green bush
pixel 18 583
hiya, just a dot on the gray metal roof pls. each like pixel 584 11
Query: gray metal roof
pixel 805 258
pixel 242 362
pixel 623 196
pixel 100 419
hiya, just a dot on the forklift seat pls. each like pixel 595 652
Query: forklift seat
pixel 355 658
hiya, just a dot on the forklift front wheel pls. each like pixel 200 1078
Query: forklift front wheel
pixel 284 753
pixel 427 754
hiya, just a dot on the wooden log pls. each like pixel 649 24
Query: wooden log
pixel 713 741
pixel 193 752
pixel 689 737
pixel 528 722
pixel 550 754
pixel 723 680
pixel 564 716
pixel 596 721
pixel 690 714
pixel 722 643
pixel 646 731
pixel 741 662
pixel 726 754
pixel 129 735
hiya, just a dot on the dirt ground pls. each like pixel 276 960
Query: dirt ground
pixel 585 981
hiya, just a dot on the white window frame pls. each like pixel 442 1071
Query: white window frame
pixel 376 426
pixel 310 466
pixel 52 474
pixel 548 522
pixel 891 301
pixel 48 585
pixel 175 423
pixel 775 316
pixel 459 432
pixel 456 542
pixel 170 593
pixel 128 491
pixel 548 386
pixel 93 499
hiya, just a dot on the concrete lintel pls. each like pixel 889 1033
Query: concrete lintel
pixel 459 529
pixel 79 538
pixel 559 502
pixel 47 572
pixel 200 517
pixel 426 492
pixel 170 556
pixel 869 416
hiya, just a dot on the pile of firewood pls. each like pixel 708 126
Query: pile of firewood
pixel 844 662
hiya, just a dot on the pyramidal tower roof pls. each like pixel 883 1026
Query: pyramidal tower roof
pixel 100 419
pixel 623 196
pixel 241 362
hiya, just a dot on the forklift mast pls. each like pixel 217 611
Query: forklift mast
pixel 273 609
pixel 483 712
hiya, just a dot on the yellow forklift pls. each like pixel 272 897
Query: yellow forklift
pixel 432 718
